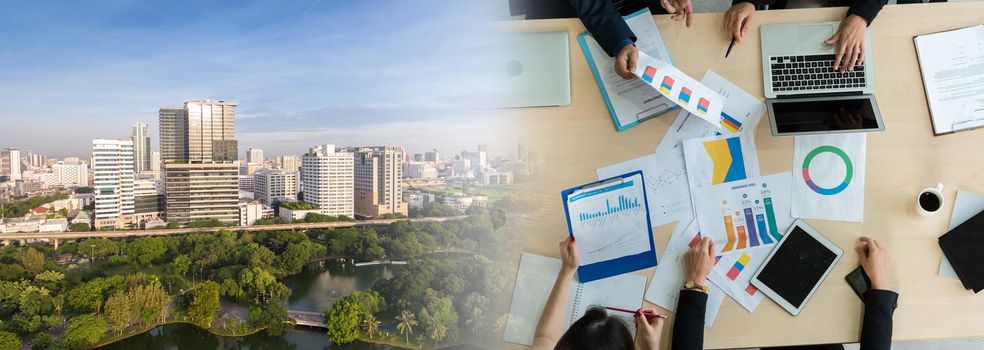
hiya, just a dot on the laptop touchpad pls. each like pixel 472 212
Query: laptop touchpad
pixel 811 38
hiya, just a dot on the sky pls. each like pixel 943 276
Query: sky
pixel 303 72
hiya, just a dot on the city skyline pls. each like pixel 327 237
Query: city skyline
pixel 304 73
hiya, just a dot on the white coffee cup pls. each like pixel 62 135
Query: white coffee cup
pixel 929 197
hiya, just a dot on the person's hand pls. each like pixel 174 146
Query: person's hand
pixel 732 26
pixel 648 329
pixel 699 261
pixel 850 43
pixel 625 61
pixel 569 255
pixel 680 9
pixel 875 262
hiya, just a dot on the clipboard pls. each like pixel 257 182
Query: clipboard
pixel 623 264
pixel 589 57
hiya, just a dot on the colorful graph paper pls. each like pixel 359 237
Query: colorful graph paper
pixel 703 104
pixel 726 155
pixel 623 204
pixel 730 123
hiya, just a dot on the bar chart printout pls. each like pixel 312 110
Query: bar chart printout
pixel 610 220
pixel 744 214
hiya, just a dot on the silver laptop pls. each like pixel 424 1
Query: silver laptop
pixel 804 94
pixel 534 70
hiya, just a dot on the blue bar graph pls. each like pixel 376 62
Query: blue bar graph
pixel 623 205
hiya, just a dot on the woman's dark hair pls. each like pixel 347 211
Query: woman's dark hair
pixel 596 330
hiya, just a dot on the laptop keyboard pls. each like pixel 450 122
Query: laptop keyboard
pixel 812 72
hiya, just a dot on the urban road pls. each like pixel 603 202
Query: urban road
pixel 181 231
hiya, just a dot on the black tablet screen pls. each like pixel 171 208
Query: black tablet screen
pixel 796 267
pixel 824 115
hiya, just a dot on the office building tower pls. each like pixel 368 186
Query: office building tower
pixel 275 185
pixel 67 174
pixel 254 156
pixel 432 156
pixel 173 124
pixel 378 181
pixel 155 164
pixel 290 163
pixel 418 157
pixel 141 147
pixel 10 163
pixel 199 153
pixel 112 175
pixel 478 159
pixel 327 180
pixel 201 191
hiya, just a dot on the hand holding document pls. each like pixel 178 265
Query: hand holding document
pixel 680 88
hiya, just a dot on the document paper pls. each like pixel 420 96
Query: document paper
pixel 741 112
pixel 952 65
pixel 629 101
pixel 829 177
pixel 534 281
pixel 664 290
pixel 745 219
pixel 680 88
pixel 720 159
pixel 610 220
pixel 666 184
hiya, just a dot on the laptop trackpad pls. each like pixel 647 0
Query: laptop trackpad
pixel 811 37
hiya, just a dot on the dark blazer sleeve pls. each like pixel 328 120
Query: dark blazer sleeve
pixel 688 328
pixel 876 329
pixel 866 9
pixel 604 22
pixel 759 4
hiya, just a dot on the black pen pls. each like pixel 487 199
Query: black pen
pixel 733 38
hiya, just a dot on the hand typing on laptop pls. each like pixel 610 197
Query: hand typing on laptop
pixel 849 40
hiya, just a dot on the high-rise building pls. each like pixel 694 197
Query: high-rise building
pixel 201 191
pixel 275 185
pixel 173 124
pixel 112 175
pixel 155 164
pixel 141 147
pixel 199 152
pixel 67 174
pixel 432 156
pixel 290 163
pixel 10 163
pixel 254 156
pixel 327 180
pixel 378 181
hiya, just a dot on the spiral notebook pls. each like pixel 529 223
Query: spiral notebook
pixel 534 282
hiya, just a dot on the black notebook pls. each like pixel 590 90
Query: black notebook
pixel 963 246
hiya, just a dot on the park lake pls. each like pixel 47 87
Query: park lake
pixel 314 290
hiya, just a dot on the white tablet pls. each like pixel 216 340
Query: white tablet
pixel 797 265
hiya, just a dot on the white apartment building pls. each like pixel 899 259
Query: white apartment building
pixel 112 175
pixel 275 185
pixel 249 212
pixel 247 183
pixel 328 180
pixel 63 174
pixel 290 163
pixel 10 163
pixel 419 170
pixel 254 156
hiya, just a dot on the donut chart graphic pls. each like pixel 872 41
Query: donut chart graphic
pixel 849 174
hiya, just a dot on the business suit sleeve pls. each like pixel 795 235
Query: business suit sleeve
pixel 866 9
pixel 688 328
pixel 759 4
pixel 876 329
pixel 605 24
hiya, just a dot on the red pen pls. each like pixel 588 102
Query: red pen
pixel 648 316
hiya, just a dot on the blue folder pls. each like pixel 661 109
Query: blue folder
pixel 618 266
pixel 601 86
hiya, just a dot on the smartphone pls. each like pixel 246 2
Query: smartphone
pixel 859 282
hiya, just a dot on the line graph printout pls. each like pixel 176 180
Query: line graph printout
pixel 666 184
pixel 610 220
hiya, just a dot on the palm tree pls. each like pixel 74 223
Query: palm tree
pixel 406 324
pixel 439 332
pixel 474 320
pixel 372 324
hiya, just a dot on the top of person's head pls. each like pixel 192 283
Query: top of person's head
pixel 596 330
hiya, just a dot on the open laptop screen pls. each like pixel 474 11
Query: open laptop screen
pixel 825 115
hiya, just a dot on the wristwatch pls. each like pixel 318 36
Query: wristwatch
pixel 692 285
